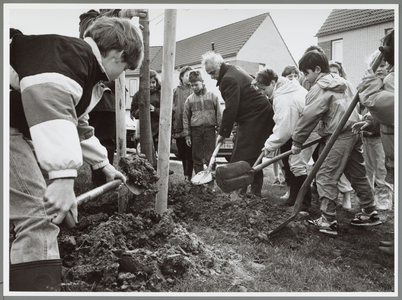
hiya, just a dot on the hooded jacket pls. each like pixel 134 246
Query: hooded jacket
pixel 288 102
pixel 327 100
pixel 55 82
pixel 379 96
pixel 180 95
pixel 201 109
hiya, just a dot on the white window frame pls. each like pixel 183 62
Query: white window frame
pixel 337 50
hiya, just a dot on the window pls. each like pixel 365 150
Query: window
pixel 337 51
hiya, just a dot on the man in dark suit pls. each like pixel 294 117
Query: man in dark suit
pixel 245 106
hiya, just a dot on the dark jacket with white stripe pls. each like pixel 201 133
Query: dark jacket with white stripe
pixel 55 82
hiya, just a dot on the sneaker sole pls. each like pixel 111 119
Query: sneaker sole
pixel 367 224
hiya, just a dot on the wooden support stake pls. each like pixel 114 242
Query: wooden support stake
pixel 121 133
pixel 147 145
pixel 169 49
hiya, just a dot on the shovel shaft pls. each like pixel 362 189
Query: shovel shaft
pixel 100 190
pixel 213 157
pixel 279 157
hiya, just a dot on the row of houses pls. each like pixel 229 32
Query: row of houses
pixel 348 35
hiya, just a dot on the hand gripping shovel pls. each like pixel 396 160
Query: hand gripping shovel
pixel 100 190
pixel 206 176
pixel 323 155
pixel 236 175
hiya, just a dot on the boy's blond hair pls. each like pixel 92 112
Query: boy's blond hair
pixel 118 34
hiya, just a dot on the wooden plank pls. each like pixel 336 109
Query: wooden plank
pixel 169 49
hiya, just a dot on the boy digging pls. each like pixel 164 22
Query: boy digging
pixel 55 82
pixel 328 99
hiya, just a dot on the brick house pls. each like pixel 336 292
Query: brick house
pixel 252 43
pixel 352 35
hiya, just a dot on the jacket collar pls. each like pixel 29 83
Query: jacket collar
pixel 97 53
pixel 224 68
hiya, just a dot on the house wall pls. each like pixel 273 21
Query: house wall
pixel 358 45
pixel 267 47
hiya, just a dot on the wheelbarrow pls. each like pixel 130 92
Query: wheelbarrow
pixel 239 174
pixel 100 190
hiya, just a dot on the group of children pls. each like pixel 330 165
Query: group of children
pixel 301 116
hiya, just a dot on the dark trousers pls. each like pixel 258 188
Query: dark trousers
pixel 286 167
pixel 256 185
pixel 203 145
pixel 104 123
pixel 186 156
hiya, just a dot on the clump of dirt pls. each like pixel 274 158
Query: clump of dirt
pixel 140 172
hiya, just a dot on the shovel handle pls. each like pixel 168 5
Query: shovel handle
pixel 281 156
pixel 259 159
pixel 213 157
pixel 100 190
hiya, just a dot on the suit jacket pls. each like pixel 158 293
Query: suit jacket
pixel 246 106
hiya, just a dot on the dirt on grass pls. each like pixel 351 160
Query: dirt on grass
pixel 141 251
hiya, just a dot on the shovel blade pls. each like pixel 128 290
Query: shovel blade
pixel 202 177
pixel 231 184
pixel 233 176
pixel 133 188
pixel 232 170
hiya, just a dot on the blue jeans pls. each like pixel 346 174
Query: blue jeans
pixel 36 235
pixel 345 156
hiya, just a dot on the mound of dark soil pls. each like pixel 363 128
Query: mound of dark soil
pixel 143 251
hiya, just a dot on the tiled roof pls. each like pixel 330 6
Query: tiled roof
pixel 346 19
pixel 228 41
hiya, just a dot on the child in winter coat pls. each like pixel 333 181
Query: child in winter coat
pixel 288 103
pixel 329 97
pixel 50 98
pixel 201 120
pixel 154 105
pixel 180 95
pixel 373 150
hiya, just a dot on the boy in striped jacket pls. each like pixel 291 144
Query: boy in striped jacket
pixel 201 120
pixel 55 81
